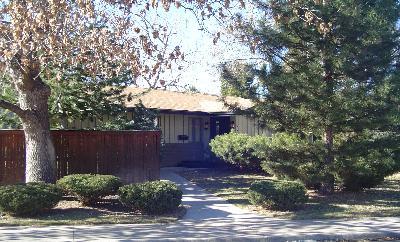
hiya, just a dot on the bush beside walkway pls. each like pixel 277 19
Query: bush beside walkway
pixel 212 218
pixel 233 185
pixel 92 199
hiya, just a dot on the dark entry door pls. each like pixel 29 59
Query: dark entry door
pixel 219 125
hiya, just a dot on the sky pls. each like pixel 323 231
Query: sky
pixel 202 56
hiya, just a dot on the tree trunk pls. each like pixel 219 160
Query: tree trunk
pixel 40 154
pixel 328 184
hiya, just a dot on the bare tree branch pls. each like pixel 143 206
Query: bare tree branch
pixel 13 108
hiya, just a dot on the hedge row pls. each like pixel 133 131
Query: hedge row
pixel 155 197
pixel 289 156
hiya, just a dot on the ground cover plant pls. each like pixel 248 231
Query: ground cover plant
pixel 233 185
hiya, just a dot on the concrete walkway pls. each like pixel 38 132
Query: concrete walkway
pixel 210 218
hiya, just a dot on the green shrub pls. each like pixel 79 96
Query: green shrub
pixel 288 156
pixel 89 188
pixel 238 149
pixel 28 199
pixel 365 159
pixel 364 172
pixel 361 160
pixel 278 195
pixel 154 197
pixel 283 155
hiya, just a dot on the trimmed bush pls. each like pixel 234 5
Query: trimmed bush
pixel 365 159
pixel 28 199
pixel 155 197
pixel 238 149
pixel 361 160
pixel 364 172
pixel 88 188
pixel 288 156
pixel 278 195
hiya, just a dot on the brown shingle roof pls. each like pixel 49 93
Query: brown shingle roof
pixel 180 101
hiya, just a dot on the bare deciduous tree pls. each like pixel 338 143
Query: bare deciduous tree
pixel 105 38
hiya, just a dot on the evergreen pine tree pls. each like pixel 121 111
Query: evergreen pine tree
pixel 332 71
pixel 237 79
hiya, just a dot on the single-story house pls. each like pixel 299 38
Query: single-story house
pixel 188 121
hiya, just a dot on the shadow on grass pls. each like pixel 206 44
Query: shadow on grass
pixel 232 185
pixel 107 211
pixel 242 201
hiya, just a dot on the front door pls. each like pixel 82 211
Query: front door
pixel 219 125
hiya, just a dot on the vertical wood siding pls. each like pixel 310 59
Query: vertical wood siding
pixel 173 125
pixel 250 126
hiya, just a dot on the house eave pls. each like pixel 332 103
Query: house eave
pixel 189 112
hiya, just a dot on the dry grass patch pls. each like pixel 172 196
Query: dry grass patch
pixel 109 211
pixel 232 185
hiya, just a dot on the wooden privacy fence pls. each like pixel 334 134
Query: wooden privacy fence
pixel 132 155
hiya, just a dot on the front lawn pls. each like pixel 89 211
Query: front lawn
pixel 110 211
pixel 232 185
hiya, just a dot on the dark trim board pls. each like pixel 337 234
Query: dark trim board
pixel 171 111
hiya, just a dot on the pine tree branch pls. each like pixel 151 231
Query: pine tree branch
pixel 13 108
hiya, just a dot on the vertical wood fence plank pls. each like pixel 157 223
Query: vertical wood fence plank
pixel 2 148
pixel 132 155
